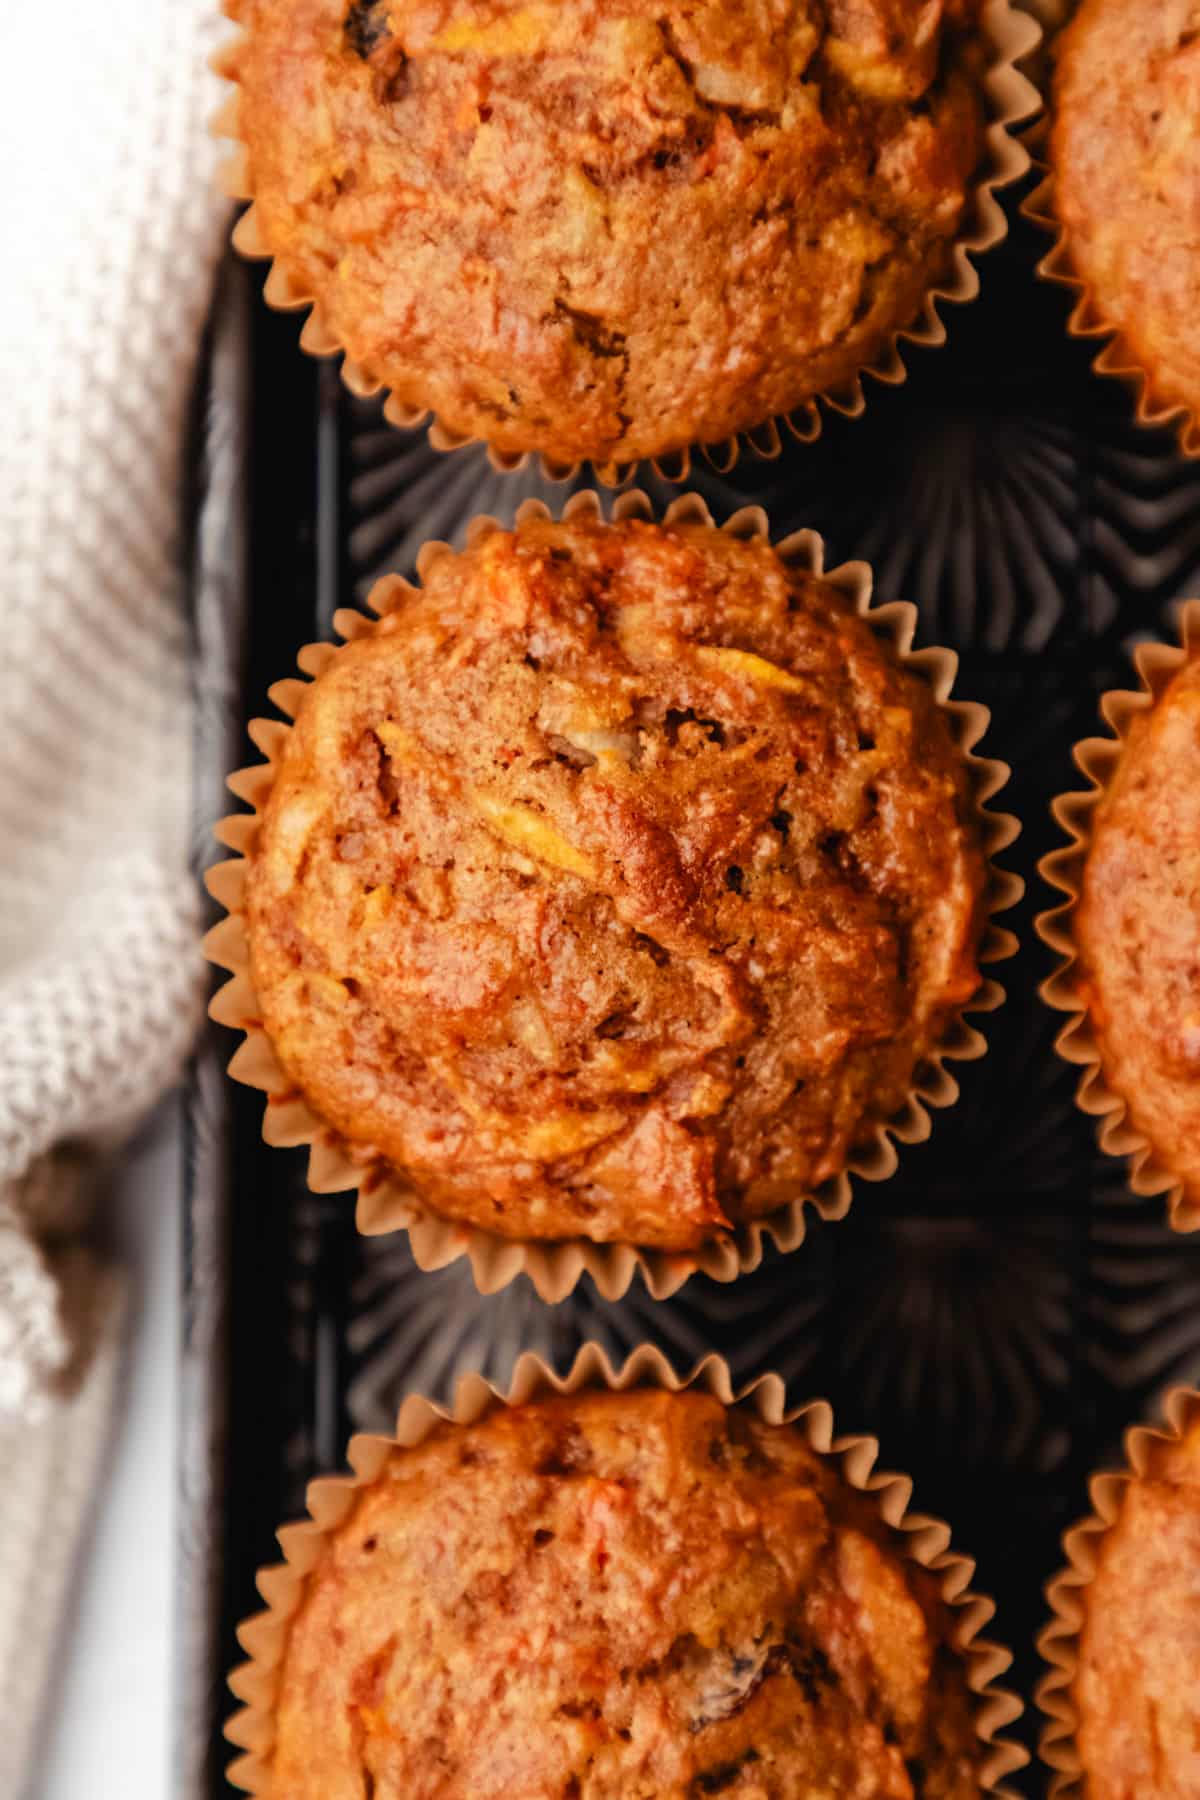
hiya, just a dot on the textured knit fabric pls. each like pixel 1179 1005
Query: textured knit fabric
pixel 50 1468
pixel 110 226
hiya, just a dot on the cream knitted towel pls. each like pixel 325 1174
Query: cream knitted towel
pixel 110 226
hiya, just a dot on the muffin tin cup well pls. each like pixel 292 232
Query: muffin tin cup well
pixel 385 1202
pixel 1087 321
pixel 330 1501
pixel 1097 759
pixel 1010 98
pixel 1061 1641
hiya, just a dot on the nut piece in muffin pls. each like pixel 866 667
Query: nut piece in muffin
pixel 1135 1690
pixel 1125 151
pixel 1137 927
pixel 619 1595
pixel 610 230
pixel 615 885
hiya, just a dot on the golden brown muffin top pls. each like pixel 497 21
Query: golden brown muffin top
pixel 1126 156
pixel 1138 927
pixel 610 228
pixel 615 885
pixel 1136 1691
pixel 619 1595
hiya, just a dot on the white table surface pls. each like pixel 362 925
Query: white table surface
pixel 108 1733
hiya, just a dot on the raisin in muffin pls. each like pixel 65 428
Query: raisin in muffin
pixel 610 230
pixel 619 1595
pixel 1126 163
pixel 1135 1694
pixel 1137 927
pixel 615 885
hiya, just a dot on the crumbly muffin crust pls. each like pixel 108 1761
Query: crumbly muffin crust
pixel 630 1595
pixel 1127 177
pixel 1135 1690
pixel 610 228
pixel 1138 927
pixel 615 886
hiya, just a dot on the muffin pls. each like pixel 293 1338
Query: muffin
pixel 1139 1710
pixel 1137 927
pixel 609 231
pixel 615 886
pixel 618 1594
pixel 1127 1634
pixel 1126 184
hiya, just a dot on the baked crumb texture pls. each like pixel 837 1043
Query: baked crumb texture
pixel 1125 192
pixel 644 1594
pixel 1138 927
pixel 1128 934
pixel 615 886
pixel 1125 1640
pixel 608 229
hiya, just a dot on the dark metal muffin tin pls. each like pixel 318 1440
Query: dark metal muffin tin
pixel 1000 1310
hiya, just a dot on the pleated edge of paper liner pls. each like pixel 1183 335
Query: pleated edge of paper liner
pixel 1116 357
pixel 331 1499
pixel 1059 1641
pixel 1063 868
pixel 1012 100
pixel 555 1267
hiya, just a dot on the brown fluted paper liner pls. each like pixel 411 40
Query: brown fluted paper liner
pixel 1060 1641
pixel 385 1203
pixel 1087 321
pixel 926 1540
pixel 1010 99
pixel 1097 758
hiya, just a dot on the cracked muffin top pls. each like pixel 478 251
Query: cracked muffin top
pixel 1135 1689
pixel 1137 927
pixel 643 1594
pixel 1126 160
pixel 615 885
pixel 611 228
